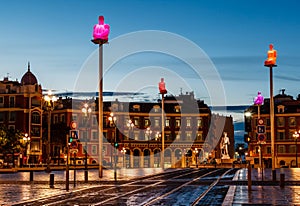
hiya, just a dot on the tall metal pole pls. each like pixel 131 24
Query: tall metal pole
pixel 296 152
pixel 100 109
pixel 162 131
pixel 48 145
pixel 272 124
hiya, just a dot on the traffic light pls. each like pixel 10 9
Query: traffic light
pixel 247 138
pixel 70 139
pixel 116 145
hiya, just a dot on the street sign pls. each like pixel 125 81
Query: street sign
pixel 74 134
pixel 261 137
pixel 261 129
pixel 260 121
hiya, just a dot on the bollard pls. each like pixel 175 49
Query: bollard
pixel 86 176
pixel 281 180
pixel 51 180
pixel 31 176
pixel 249 177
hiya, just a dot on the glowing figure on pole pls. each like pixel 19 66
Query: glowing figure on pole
pixel 259 100
pixel 101 30
pixel 272 54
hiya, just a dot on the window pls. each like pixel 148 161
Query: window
pixel 280 121
pixel 188 136
pixel 156 108
pixel 177 123
pixel 292 149
pixel 94 120
pixel 188 122
pixel 74 117
pixel 156 122
pixel 147 122
pixel 136 121
pixel 199 122
pixel 35 146
pixel 136 108
pixel 268 150
pixel 1 116
pixel 280 135
pixel 136 135
pixel 12 116
pixel 292 121
pixel 55 120
pixel 281 149
pixel 62 118
pixel 94 149
pixel 94 135
pixel 167 122
pixel 11 101
pixel 36 118
pixel 268 122
pixel 199 136
pixel 35 131
pixel 1 101
pixel 177 108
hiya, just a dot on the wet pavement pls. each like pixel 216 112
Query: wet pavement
pixel 16 188
pixel 265 194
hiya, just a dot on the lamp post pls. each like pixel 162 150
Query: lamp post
pixel 130 126
pixel 296 136
pixel 271 62
pixel 123 151
pixel 86 110
pixel 113 120
pixel 196 151
pixel 148 133
pixel 26 139
pixel 50 100
pixel 100 37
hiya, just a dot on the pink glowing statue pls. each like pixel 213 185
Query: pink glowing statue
pixel 101 30
pixel 259 100
pixel 272 54
pixel 162 86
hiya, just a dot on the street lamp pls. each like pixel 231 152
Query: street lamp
pixel 148 133
pixel 50 100
pixel 86 110
pixel 196 151
pixel 130 126
pixel 123 151
pixel 296 136
pixel 26 139
pixel 113 120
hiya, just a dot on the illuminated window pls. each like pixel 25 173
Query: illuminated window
pixel 167 122
pixel 156 122
pixel 292 121
pixel 199 122
pixel 177 123
pixel 147 122
pixel 280 121
pixel 188 122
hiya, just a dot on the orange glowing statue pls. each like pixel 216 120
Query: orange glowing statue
pixel 101 30
pixel 272 54
pixel 162 86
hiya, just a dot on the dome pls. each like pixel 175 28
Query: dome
pixel 28 78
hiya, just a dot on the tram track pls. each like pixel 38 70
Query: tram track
pixel 149 190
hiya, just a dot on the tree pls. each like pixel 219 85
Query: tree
pixel 11 142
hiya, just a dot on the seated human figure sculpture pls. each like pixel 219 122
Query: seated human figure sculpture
pixel 259 99
pixel 162 86
pixel 272 54
pixel 101 30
